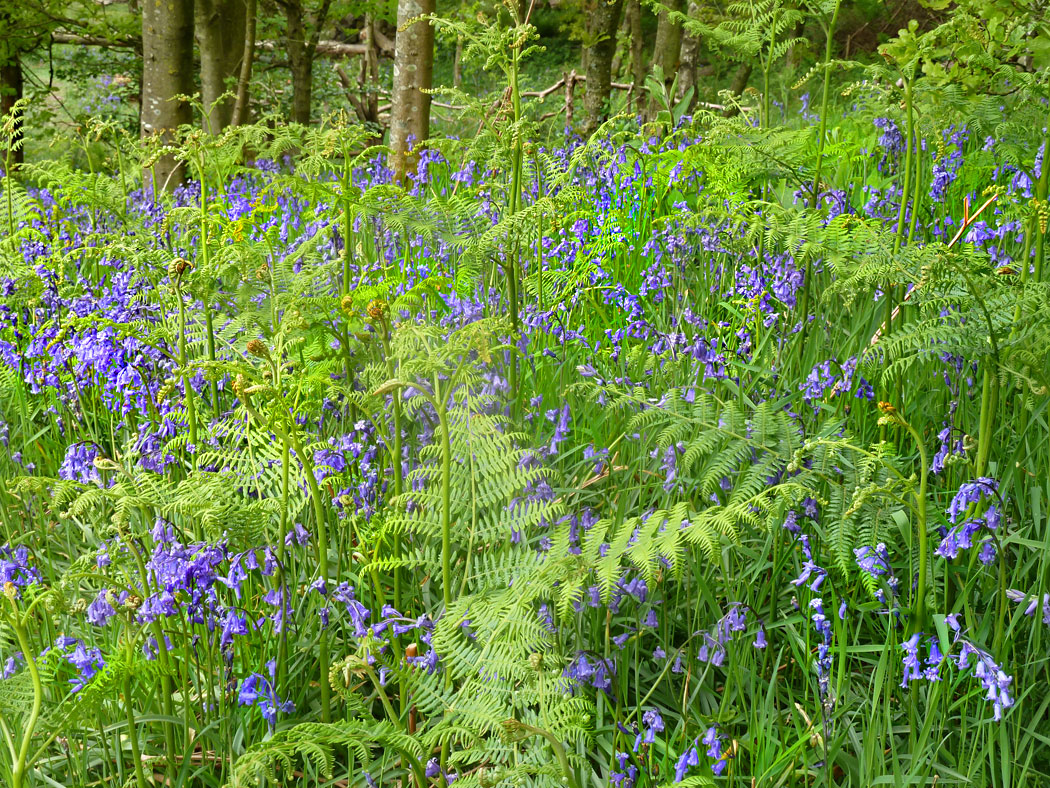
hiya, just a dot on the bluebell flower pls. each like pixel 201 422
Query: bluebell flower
pixel 626 776
pixel 653 724
pixel 760 638
pixel 100 610
pixel 12 664
pixel 257 690
pixel 88 663
pixel 688 759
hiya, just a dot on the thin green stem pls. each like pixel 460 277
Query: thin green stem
pixel 322 560
pixel 446 498
pixel 133 737
pixel 22 764
pixel 922 537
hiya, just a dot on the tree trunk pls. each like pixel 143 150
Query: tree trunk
pixel 370 73
pixel 167 70
pixel 633 14
pixel 740 78
pixel 668 44
pixel 796 53
pixel 457 64
pixel 11 90
pixel 300 64
pixel 413 73
pixel 220 38
pixel 301 52
pixel 739 85
pixel 688 71
pixel 570 91
pixel 603 20
pixel 244 79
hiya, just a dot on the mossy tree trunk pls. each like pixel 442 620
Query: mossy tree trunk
pixel 603 20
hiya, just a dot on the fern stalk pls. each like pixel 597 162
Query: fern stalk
pixel 129 714
pixel 322 561
pixel 921 535
pixel 7 190
pixel 1041 191
pixel 187 388
pixel 347 223
pixel 282 647
pixel 989 404
pixel 909 152
pixel 515 205
pixel 209 336
pixel 399 482
pixel 823 128
pixel 167 691
pixel 21 763
pixel 446 499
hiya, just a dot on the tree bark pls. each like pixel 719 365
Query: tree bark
pixel 603 20
pixel 220 26
pixel 324 48
pixel 370 79
pixel 457 64
pixel 633 14
pixel 11 90
pixel 301 66
pixel 301 52
pixel 740 78
pixel 689 70
pixel 413 73
pixel 739 84
pixel 244 79
pixel 668 45
pixel 167 70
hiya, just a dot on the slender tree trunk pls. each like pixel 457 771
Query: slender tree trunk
pixel 244 79
pixel 301 51
pixel 11 90
pixel 220 38
pixel 689 70
pixel 740 78
pixel 570 96
pixel 167 70
pixel 457 64
pixel 739 84
pixel 667 47
pixel 370 71
pixel 300 64
pixel 413 73
pixel 603 20
pixel 633 14
pixel 795 53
